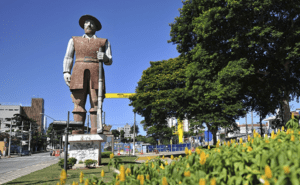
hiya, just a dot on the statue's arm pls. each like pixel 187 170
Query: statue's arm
pixel 68 62
pixel 108 55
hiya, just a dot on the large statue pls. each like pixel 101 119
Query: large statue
pixel 90 52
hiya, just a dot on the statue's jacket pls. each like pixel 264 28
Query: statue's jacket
pixel 86 59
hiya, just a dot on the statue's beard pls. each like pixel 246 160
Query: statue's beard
pixel 89 31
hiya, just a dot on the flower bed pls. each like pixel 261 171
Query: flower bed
pixel 273 160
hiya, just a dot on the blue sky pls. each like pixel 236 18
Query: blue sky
pixel 33 40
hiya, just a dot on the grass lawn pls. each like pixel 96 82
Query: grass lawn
pixel 51 174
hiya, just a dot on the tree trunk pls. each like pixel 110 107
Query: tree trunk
pixel 286 108
pixel 214 132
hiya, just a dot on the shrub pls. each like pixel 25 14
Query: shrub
pixel 90 162
pixel 105 154
pixel 80 162
pixel 71 161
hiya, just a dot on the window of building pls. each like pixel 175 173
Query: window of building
pixel 11 109
pixel 16 109
pixel 1 109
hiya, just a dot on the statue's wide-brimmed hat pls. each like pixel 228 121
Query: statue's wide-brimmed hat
pixel 86 17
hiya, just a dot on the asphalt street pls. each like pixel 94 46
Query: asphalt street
pixel 12 168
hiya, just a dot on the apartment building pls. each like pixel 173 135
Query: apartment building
pixel 126 130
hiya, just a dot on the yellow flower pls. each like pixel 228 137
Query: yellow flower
pixel 127 171
pixel 244 144
pixel 187 166
pixel 299 132
pixel 219 150
pixel 163 157
pixel 224 143
pixel 187 174
pixel 164 181
pixel 268 172
pixel 292 138
pixel 57 183
pixel 241 140
pixel 202 158
pixel 186 150
pixel 117 177
pixel 111 156
pixel 282 128
pixel 259 136
pixel 142 179
pixel 190 152
pixel 166 163
pixel 252 140
pixel 279 140
pixel 63 177
pixel 117 183
pixel 292 131
pixel 243 150
pixel 293 116
pixel 152 165
pixel 249 138
pixel 148 177
pixel 172 157
pixel 286 169
pixel 86 182
pixel 228 143
pixel 213 181
pixel 208 147
pixel 179 182
pixel 102 173
pixel 81 177
pixel 266 182
pixel 202 182
pixel 217 145
pixel 162 166
pixel 249 149
pixel 198 151
pixel 278 132
pixel 149 158
pixel 122 173
pixel 73 183
pixel 267 141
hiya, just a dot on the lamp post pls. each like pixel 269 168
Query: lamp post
pixel 48 117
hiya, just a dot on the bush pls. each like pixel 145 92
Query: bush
pixel 105 154
pixel 80 162
pixel 90 162
pixel 71 161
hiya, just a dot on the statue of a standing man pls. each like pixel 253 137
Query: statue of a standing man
pixel 85 74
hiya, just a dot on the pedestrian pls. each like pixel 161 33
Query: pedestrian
pixel 0 154
pixel 4 151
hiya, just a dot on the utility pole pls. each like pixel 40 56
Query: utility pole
pixel 252 122
pixel 29 138
pixel 9 139
pixel 88 123
pixel 246 126
pixel 134 135
pixel 21 146
pixel 66 143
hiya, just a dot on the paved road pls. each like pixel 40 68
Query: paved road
pixel 12 168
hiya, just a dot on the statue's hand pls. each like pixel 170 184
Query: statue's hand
pixel 100 55
pixel 67 77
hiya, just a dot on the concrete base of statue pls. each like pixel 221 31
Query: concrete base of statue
pixel 86 146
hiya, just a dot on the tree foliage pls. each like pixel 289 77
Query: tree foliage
pixel 245 47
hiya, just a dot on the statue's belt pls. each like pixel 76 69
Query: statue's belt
pixel 87 59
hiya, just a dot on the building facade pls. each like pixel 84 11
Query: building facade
pixel 126 130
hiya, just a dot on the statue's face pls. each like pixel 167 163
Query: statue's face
pixel 89 27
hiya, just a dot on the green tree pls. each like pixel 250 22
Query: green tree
pixel 240 48
pixel 122 133
pixel 136 129
pixel 116 133
pixel 160 93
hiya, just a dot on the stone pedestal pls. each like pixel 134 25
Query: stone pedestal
pixel 85 146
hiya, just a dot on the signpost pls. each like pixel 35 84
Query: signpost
pixel 66 125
